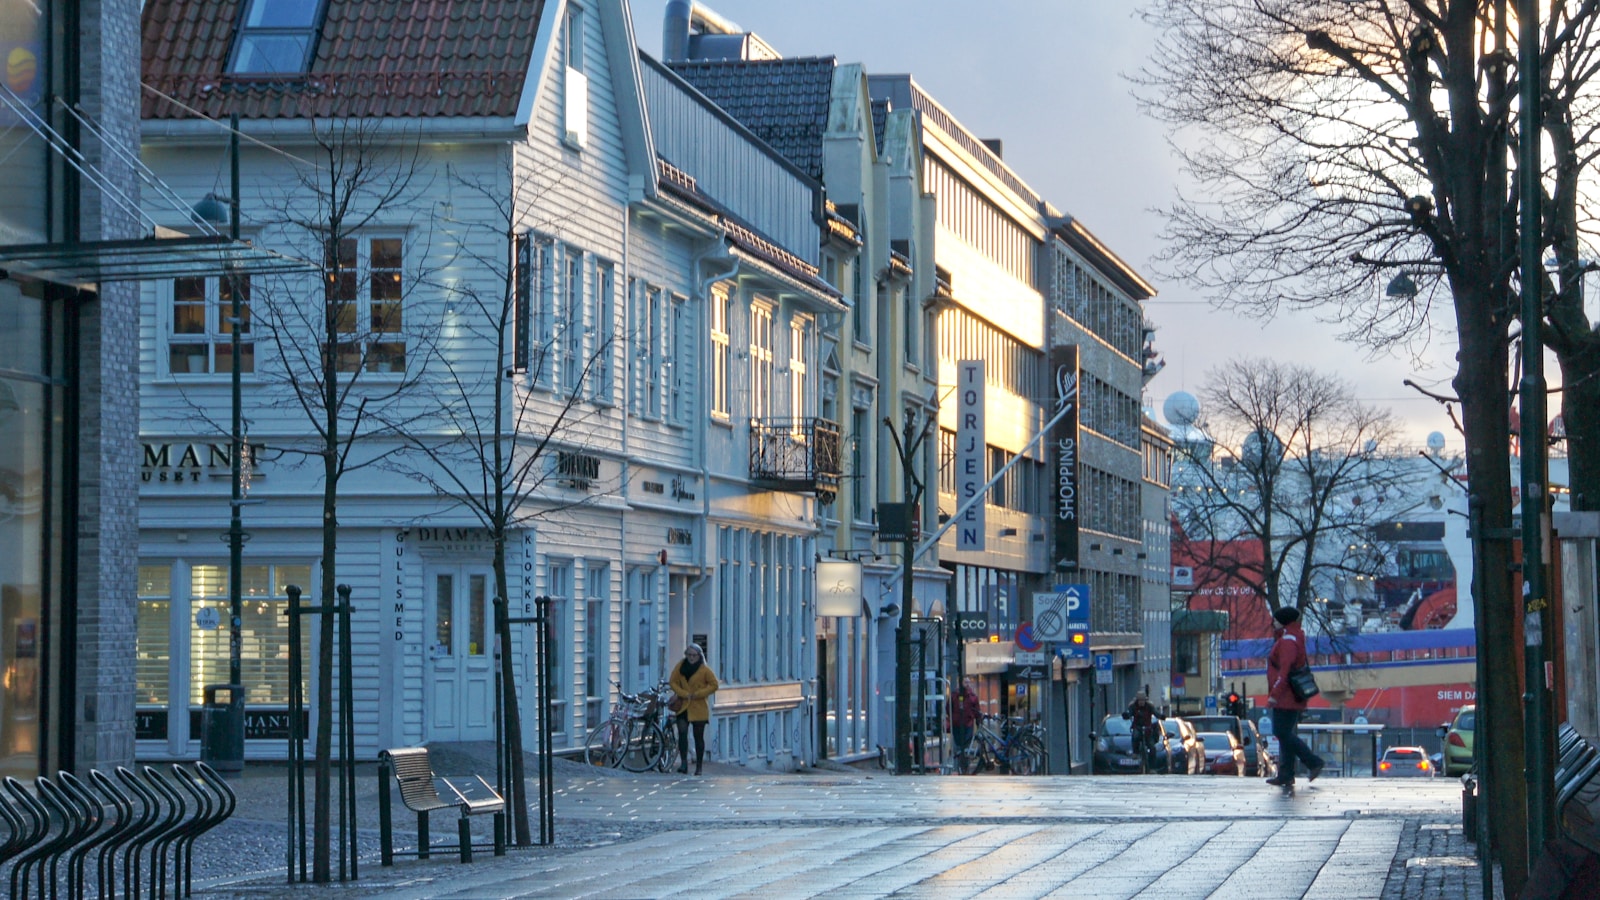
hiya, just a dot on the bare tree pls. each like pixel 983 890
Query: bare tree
pixel 1338 145
pixel 490 443
pixel 1283 497
pixel 346 351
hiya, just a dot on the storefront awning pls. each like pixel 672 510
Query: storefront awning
pixel 87 263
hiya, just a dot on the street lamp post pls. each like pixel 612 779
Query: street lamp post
pixel 1536 636
pixel 907 448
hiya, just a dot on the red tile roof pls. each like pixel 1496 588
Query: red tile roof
pixel 376 58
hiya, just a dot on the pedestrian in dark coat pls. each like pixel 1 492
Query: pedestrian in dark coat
pixel 694 682
pixel 1288 653
pixel 964 715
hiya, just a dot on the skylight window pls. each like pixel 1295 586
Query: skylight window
pixel 275 36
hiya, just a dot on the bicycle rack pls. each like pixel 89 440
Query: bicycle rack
pixel 149 819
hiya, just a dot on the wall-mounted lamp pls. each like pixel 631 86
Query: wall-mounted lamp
pixel 1094 546
pixel 1116 551
pixel 1008 532
pixel 1141 555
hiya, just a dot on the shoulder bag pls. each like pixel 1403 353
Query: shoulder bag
pixel 1303 683
pixel 677 704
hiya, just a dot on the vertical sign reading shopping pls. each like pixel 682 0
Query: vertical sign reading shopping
pixel 1064 443
pixel 972 470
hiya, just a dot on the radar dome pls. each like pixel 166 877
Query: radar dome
pixel 1435 442
pixel 1181 408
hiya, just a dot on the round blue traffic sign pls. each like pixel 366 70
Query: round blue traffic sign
pixel 1025 640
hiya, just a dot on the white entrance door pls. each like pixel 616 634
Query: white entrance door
pixel 460 705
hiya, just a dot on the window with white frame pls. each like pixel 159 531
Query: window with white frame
pixel 575 103
pixel 760 359
pixel 152 648
pixel 542 289
pixel 678 340
pixel 365 299
pixel 640 667
pixel 559 588
pixel 720 353
pixel 650 350
pixel 201 338
pixel 596 638
pixel 799 346
pixel 605 289
pixel 572 309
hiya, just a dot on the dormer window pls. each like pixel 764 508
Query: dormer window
pixel 276 37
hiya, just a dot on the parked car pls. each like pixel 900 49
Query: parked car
pixel 1404 761
pixel 1113 748
pixel 1181 753
pixel 1224 755
pixel 1458 741
pixel 1256 761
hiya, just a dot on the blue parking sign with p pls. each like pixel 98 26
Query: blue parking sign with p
pixel 1077 597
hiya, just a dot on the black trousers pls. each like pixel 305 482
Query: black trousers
pixel 699 741
pixel 1286 727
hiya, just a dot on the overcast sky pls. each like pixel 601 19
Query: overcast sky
pixel 1046 77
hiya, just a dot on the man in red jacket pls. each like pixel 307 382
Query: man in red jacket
pixel 1288 653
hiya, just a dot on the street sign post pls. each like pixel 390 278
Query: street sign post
pixel 1027 673
pixel 1102 668
pixel 1076 646
pixel 1053 611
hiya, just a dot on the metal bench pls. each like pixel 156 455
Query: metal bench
pixel 423 792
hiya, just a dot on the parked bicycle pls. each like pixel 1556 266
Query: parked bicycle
pixel 632 737
pixel 1018 748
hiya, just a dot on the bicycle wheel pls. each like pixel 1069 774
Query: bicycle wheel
pixel 604 746
pixel 670 760
pixel 644 746
pixel 1021 761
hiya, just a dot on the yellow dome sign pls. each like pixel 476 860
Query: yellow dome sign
pixel 21 69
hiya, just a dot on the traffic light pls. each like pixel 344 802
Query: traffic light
pixel 1235 704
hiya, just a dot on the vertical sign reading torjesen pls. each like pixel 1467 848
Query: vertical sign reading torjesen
pixel 1064 452
pixel 972 469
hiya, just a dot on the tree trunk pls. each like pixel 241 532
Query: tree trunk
pixel 1481 383
pixel 517 798
pixel 322 838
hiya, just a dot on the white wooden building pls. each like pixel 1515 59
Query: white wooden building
pixel 661 266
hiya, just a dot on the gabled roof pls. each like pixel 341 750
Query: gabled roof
pixel 373 58
pixel 783 101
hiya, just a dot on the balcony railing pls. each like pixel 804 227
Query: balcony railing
pixel 796 455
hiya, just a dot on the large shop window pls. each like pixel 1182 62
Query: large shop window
pixel 264 631
pixel 33 525
pixel 365 303
pixel 201 341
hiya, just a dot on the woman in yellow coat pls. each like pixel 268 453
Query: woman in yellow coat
pixel 692 682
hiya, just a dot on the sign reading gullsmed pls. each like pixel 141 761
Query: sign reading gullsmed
pixel 1064 453
pixel 971 456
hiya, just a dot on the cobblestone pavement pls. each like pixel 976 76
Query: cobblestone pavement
pixel 846 833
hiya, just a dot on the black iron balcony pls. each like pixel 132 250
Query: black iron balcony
pixel 796 455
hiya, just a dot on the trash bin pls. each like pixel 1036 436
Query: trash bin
pixel 222 727
pixel 1469 807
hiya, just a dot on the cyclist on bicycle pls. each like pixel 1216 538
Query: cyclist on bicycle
pixel 1146 726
